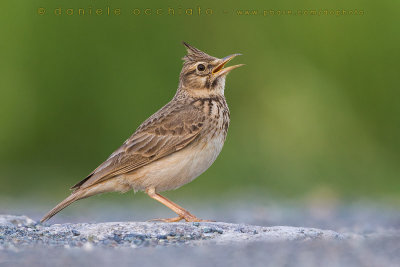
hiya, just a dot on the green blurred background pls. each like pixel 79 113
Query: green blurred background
pixel 315 111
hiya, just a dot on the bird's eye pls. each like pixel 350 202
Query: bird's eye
pixel 201 67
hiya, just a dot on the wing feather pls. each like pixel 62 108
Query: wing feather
pixel 169 130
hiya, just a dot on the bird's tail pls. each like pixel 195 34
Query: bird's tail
pixel 65 203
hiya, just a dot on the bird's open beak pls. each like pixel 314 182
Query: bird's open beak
pixel 219 70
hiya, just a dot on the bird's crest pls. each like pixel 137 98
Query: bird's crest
pixel 194 54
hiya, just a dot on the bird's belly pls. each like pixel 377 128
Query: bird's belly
pixel 178 168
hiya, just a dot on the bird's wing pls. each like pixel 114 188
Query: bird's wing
pixel 169 130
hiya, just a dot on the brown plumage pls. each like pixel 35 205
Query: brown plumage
pixel 173 146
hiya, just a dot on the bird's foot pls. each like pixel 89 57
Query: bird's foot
pixel 195 219
pixel 169 220
pixel 187 218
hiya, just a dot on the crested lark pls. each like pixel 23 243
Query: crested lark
pixel 172 147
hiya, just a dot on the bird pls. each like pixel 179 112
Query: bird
pixel 173 146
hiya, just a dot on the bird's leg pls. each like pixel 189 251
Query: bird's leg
pixel 182 213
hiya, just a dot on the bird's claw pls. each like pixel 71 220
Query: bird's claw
pixel 179 218
pixel 169 220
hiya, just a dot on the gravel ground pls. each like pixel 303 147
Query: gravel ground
pixel 22 232
pixel 360 235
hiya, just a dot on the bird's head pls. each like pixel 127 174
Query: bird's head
pixel 204 74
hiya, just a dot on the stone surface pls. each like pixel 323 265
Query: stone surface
pixel 21 231
pixel 25 242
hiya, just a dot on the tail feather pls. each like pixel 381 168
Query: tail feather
pixel 65 203
pixel 78 194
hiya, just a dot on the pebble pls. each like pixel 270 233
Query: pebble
pixel 207 230
pixel 129 237
pixel 117 238
pixel 162 236
pixel 75 232
pixel 172 234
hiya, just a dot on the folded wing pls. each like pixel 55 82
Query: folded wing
pixel 169 130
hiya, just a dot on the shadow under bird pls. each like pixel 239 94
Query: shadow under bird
pixel 172 147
